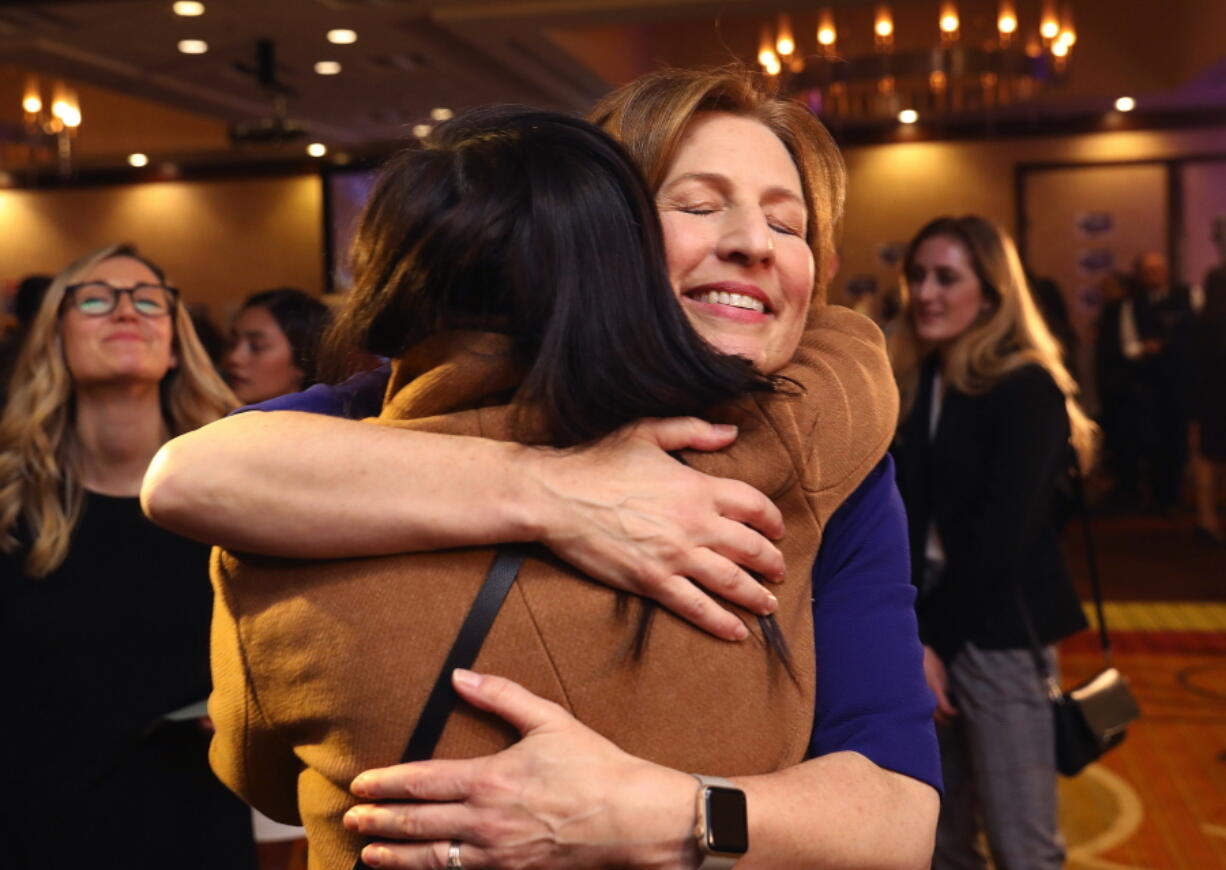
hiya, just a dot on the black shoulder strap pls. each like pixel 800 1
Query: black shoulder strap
pixel 1079 491
pixel 467 646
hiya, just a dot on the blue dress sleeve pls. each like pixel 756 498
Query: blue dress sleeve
pixel 871 694
pixel 358 397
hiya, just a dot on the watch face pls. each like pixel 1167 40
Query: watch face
pixel 727 825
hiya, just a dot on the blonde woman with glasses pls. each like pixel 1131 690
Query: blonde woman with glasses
pixel 105 616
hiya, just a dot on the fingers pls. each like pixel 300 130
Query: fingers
pixel 720 575
pixel 416 821
pixel 689 602
pixel 502 697
pixel 685 433
pixel 742 545
pixel 423 856
pixel 946 711
pixel 741 502
pixel 438 780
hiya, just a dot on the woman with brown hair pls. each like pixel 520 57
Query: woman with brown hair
pixel 991 430
pixel 733 217
pixel 105 616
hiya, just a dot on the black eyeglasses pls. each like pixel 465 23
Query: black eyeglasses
pixel 98 299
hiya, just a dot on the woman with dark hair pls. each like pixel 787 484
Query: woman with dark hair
pixel 991 428
pixel 104 617
pixel 523 290
pixel 274 344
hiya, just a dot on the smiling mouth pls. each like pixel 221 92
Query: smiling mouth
pixel 733 300
pixel 729 298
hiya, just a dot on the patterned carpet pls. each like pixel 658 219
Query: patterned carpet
pixel 1159 800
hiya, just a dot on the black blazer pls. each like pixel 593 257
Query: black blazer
pixel 993 481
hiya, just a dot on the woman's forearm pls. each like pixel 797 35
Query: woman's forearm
pixel 285 483
pixel 838 811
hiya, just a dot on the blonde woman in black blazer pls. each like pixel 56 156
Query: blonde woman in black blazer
pixel 990 428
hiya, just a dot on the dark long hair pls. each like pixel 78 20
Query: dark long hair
pixel 302 318
pixel 537 225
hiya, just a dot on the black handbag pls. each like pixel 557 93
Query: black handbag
pixel 1093 716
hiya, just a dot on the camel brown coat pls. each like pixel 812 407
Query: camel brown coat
pixel 321 668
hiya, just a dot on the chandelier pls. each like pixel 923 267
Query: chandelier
pixel 49 126
pixel 960 68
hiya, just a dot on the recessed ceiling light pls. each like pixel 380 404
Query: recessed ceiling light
pixel 1125 104
pixel 342 36
pixel 193 46
pixel 908 116
pixel 188 8
pixel 138 160
pixel 327 67
pixel 421 131
pixel 317 149
pixel 442 113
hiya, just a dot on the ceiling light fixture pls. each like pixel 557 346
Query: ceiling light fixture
pixel 908 116
pixel 342 36
pixel 942 69
pixel 188 8
pixel 442 113
pixel 1125 104
pixel 421 131
pixel 193 46
pixel 327 67
pixel 317 149
pixel 138 160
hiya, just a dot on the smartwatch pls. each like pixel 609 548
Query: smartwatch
pixel 721 825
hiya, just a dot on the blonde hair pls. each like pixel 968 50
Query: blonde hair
pixel 651 115
pixel 1010 334
pixel 37 485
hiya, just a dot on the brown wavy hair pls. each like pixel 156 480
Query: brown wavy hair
pixel 38 488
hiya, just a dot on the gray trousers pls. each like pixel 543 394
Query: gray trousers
pixel 998 759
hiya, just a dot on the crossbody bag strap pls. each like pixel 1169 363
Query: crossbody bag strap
pixel 1079 492
pixel 464 651
pixel 1036 648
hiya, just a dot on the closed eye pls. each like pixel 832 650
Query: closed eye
pixel 785 229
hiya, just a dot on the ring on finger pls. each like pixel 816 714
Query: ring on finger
pixel 453 856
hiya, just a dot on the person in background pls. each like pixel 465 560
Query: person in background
pixel 1208 351
pixel 274 344
pixel 1050 299
pixel 989 413
pixel 1143 378
pixel 104 617
pixel 26 301
pixel 212 339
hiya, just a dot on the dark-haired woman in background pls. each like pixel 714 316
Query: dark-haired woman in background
pixel 990 428
pixel 274 344
pixel 104 617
